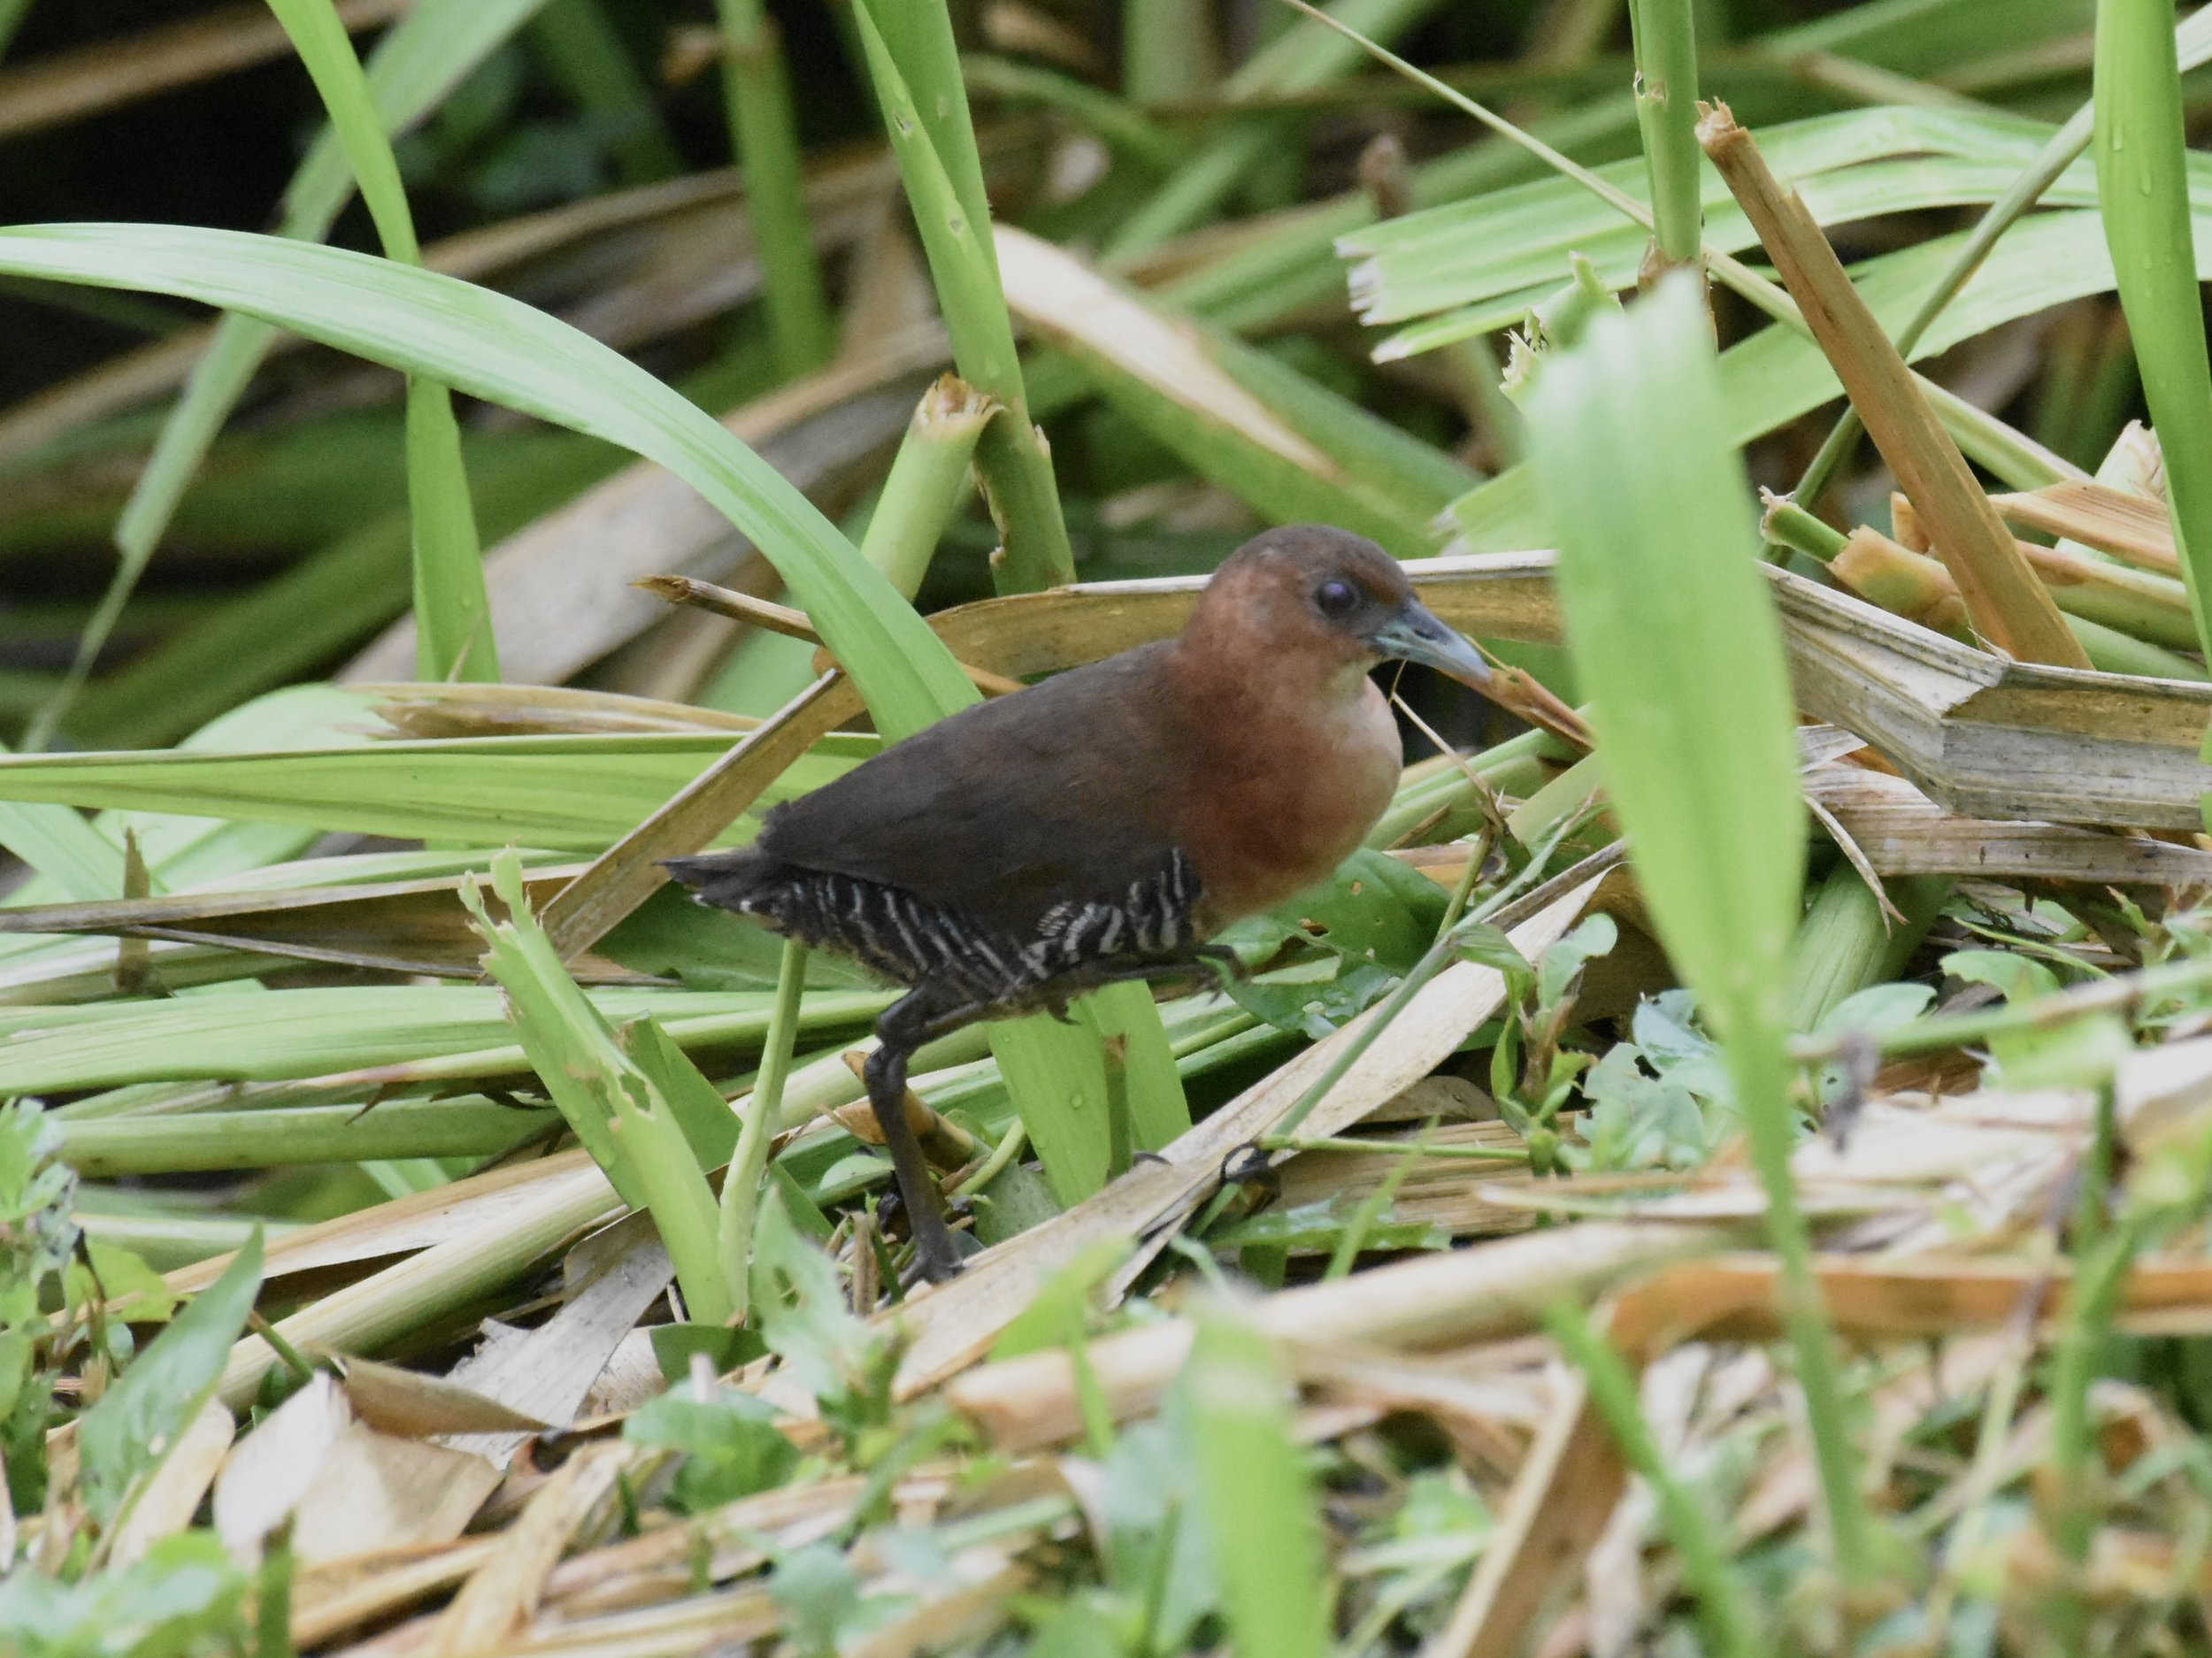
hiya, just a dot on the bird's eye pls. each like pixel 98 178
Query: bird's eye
pixel 1336 599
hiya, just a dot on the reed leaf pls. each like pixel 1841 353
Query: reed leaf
pixel 2144 195
pixel 1676 643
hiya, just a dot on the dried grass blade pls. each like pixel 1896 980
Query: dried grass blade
pixel 2131 526
pixel 2001 594
pixel 629 871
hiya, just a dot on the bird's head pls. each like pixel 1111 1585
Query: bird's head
pixel 1336 598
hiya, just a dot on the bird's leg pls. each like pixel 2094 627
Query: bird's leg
pixel 900 1030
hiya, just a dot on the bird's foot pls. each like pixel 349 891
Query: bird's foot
pixel 941 1252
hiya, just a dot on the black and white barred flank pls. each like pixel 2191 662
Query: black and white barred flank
pixel 907 939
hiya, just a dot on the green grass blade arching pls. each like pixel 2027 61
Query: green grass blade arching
pixel 2143 193
pixel 501 349
pixel 411 69
pixel 1675 641
pixel 453 614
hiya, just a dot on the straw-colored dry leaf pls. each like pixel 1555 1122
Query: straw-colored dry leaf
pixel 347 1489
pixel 2116 521
pixel 1423 1302
pixel 504 1593
pixel 418 1407
pixel 172 1497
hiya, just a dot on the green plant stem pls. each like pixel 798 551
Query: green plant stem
pixel 1665 36
pixel 2075 1367
pixel 915 69
pixel 1845 944
pixel 741 1182
pixel 1002 1154
pixel 1761 1071
pixel 2122 993
pixel 1723 1607
pixel 756 89
pixel 927 482
pixel 1388 1148
pixel 104 1149
pixel 1375 1205
pixel 2143 195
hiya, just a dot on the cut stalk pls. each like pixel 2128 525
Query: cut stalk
pixel 916 68
pixel 2008 605
pixel 764 133
pixel 927 482
pixel 928 486
pixel 1665 36
pixel 2143 195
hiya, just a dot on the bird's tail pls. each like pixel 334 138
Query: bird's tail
pixel 737 880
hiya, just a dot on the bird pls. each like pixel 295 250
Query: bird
pixel 1104 824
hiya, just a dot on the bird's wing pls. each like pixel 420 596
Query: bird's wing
pixel 1061 792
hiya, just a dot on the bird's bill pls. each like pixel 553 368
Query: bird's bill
pixel 1415 634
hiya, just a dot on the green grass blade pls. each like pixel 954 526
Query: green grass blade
pixel 1723 1607
pixel 80 861
pixel 756 89
pixel 1256 1497
pixel 1675 641
pixel 138 1421
pixel 498 348
pixel 917 75
pixel 452 608
pixel 2143 192
pixel 417 63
